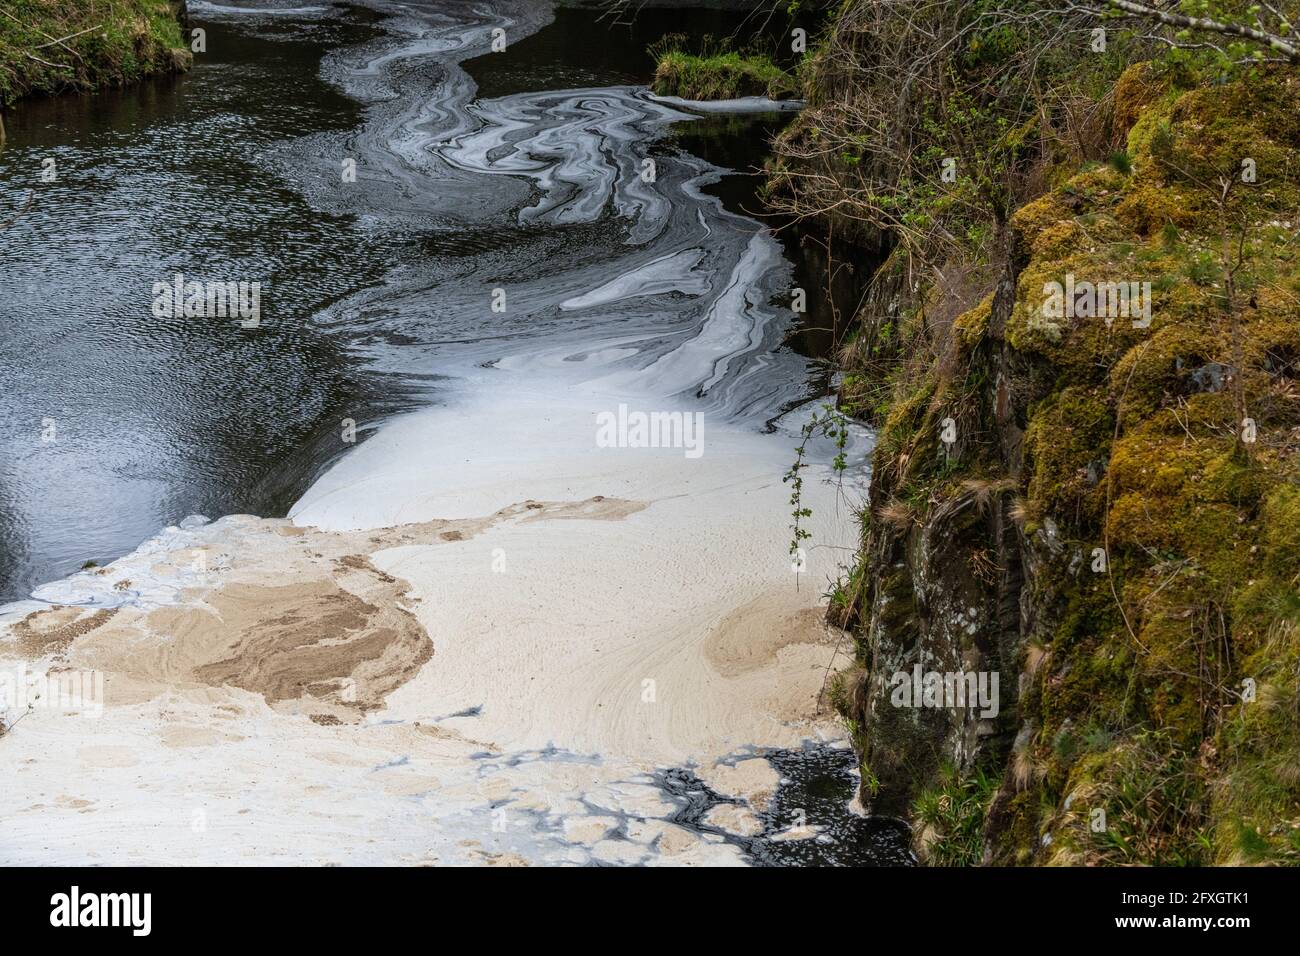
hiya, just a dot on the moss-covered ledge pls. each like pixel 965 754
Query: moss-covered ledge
pixel 1151 710
pixel 57 46
pixel 717 72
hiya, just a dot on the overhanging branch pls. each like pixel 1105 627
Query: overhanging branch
pixel 1274 41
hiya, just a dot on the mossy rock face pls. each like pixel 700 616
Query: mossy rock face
pixel 1185 508
pixel 1067 445
pixel 1140 800
pixel 1255 796
pixel 1149 208
pixel 1157 486
pixel 973 324
pixel 1135 92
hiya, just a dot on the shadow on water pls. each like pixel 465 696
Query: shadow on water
pixel 833 284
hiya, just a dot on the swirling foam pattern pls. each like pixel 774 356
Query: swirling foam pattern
pixel 595 614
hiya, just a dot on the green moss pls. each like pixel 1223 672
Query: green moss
pixel 972 324
pixel 1023 826
pixel 905 429
pixel 1255 803
pixel 1066 446
pixel 1139 802
pixel 1152 122
pixel 1136 91
pixel 1148 209
pixel 1146 659
pixel 115 42
pixel 1086 678
pixel 1122 441
pixel 722 75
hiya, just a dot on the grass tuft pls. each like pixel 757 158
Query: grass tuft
pixel 56 46
pixel 716 72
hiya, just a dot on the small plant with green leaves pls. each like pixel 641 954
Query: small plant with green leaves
pixel 830 423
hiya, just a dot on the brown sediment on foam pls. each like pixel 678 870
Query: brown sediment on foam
pixel 51 630
pixel 360 562
pixel 595 508
pixel 752 635
pixel 301 619
pixel 254 687
pixel 300 616
pixel 309 641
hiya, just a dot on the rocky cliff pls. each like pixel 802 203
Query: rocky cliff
pixel 1084 501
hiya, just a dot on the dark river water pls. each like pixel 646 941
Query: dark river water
pixel 474 170
pixel 114 423
pixel 154 419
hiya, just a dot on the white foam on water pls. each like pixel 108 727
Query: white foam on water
pixel 225 10
pixel 743 104
pixel 645 613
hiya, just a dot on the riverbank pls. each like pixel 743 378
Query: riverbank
pixel 64 46
pixel 1088 493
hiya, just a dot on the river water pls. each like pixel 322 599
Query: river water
pixel 533 211
pixel 116 423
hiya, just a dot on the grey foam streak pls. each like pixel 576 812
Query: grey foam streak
pixel 649 287
pixel 674 272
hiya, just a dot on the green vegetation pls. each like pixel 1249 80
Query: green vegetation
pixel 717 72
pixel 951 818
pixel 1134 491
pixel 53 46
pixel 1200 600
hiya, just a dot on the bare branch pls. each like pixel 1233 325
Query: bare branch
pixel 1205 24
